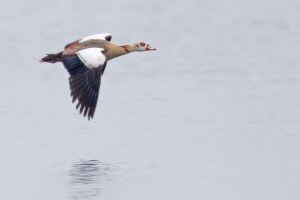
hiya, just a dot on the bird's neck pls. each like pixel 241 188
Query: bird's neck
pixel 116 51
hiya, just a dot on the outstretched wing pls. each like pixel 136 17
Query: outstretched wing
pixel 101 36
pixel 85 68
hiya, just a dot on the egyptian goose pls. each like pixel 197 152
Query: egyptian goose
pixel 85 60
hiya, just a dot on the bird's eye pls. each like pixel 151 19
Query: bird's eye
pixel 142 44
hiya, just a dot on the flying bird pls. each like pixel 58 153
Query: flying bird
pixel 85 60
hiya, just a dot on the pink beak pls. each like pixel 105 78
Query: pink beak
pixel 150 48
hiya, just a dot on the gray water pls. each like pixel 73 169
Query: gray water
pixel 213 114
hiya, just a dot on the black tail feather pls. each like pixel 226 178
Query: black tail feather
pixel 52 58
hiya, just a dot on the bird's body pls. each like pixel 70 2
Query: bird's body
pixel 85 61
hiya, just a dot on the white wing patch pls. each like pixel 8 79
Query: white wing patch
pixel 97 37
pixel 91 57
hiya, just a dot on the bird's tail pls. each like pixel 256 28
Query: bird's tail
pixel 52 58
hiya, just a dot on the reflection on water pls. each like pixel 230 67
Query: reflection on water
pixel 87 177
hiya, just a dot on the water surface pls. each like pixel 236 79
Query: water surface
pixel 212 114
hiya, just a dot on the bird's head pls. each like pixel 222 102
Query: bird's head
pixel 142 46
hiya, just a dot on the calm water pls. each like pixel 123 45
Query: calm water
pixel 212 114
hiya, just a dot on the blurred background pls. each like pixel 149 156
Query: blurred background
pixel 212 114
